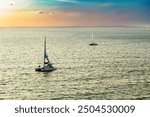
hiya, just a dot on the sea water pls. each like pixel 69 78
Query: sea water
pixel 117 68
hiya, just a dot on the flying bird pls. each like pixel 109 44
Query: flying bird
pixel 41 12
pixel 53 12
pixel 11 4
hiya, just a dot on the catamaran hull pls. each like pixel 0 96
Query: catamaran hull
pixel 45 69
pixel 93 44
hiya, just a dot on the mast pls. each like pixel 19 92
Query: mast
pixel 92 37
pixel 44 50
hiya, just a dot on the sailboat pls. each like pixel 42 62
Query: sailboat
pixel 47 66
pixel 93 43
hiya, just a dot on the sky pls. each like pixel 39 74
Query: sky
pixel 24 13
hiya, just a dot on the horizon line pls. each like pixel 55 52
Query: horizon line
pixel 73 26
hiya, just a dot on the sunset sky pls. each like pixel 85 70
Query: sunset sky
pixel 14 13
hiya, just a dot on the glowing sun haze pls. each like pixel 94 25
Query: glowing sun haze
pixel 74 13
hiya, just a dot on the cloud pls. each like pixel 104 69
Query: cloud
pixel 79 12
pixel 70 1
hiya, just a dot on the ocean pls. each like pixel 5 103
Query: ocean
pixel 118 68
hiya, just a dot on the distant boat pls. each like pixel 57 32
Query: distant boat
pixel 93 43
pixel 47 66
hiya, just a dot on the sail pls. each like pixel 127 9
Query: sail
pixel 45 54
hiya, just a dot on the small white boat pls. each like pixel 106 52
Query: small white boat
pixel 93 43
pixel 47 66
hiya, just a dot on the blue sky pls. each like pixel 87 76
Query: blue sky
pixel 139 7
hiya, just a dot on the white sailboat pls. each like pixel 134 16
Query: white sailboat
pixel 47 66
pixel 93 43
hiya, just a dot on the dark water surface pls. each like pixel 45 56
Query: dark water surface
pixel 118 68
